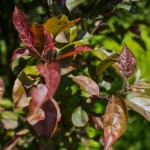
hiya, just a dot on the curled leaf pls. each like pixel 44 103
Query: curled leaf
pixel 127 62
pixel 115 120
pixel 20 52
pixel 87 84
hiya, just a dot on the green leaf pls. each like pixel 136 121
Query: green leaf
pixel 61 38
pixel 6 103
pixel 87 84
pixel 115 120
pixel 20 97
pixel 9 119
pixel 79 117
pixel 71 4
pixel 109 61
pixel 140 103
pixel 73 33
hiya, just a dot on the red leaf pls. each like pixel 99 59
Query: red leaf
pixel 51 73
pixel 38 32
pixel 49 50
pixel 20 52
pixel 115 120
pixel 46 118
pixel 127 62
pixel 23 28
pixel 78 49
pixel 2 87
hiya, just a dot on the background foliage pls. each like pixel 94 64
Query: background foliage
pixel 129 24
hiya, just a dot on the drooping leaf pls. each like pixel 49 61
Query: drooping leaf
pixel 87 84
pixel 109 61
pixel 140 103
pixel 71 4
pixel 38 32
pixel 2 87
pixel 127 62
pixel 23 28
pixel 79 117
pixel 52 116
pixel 51 74
pixel 77 50
pixel 115 120
pixel 140 85
pixel 20 98
pixel 56 26
pixel 20 52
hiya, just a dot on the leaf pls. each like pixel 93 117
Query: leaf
pixel 140 85
pixel 87 84
pixel 2 87
pixel 20 52
pixel 73 33
pixel 78 49
pixel 79 117
pixel 51 74
pixel 61 38
pixel 115 120
pixel 38 32
pixel 140 103
pixel 127 62
pixel 109 61
pixel 23 28
pixel 67 70
pixel 71 4
pixel 9 119
pixel 97 119
pixel 6 103
pixel 56 26
pixel 20 97
pixel 49 46
pixel 48 124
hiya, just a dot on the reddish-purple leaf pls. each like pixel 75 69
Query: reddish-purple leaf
pixel 115 120
pixel 87 84
pixel 2 87
pixel 23 28
pixel 51 73
pixel 38 32
pixel 20 52
pixel 46 118
pixel 127 62
pixel 49 50
pixel 97 119
pixel 78 49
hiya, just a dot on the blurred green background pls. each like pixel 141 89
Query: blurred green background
pixel 129 24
